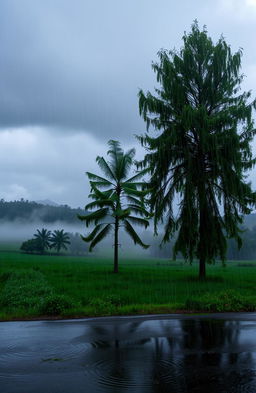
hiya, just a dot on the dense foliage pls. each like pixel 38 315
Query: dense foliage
pixel 71 242
pixel 32 246
pixel 202 149
pixel 45 240
pixel 31 211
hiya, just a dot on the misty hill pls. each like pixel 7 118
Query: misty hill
pixel 27 211
pixel 48 212
pixel 47 202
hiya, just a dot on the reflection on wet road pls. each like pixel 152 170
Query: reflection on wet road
pixel 156 355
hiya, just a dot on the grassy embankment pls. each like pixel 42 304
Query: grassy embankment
pixel 33 286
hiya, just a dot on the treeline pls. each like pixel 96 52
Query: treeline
pixel 44 241
pixel 247 251
pixel 24 210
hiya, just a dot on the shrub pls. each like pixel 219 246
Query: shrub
pixel 228 300
pixel 55 304
pixel 31 246
pixel 115 300
pixel 102 306
pixel 106 306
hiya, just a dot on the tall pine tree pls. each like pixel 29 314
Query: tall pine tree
pixel 202 149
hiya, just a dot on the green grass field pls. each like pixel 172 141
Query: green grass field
pixel 34 285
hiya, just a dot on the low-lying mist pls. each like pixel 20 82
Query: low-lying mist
pixel 19 231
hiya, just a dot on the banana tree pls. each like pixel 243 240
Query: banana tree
pixel 117 198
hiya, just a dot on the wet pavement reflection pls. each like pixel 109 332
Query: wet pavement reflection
pixel 155 355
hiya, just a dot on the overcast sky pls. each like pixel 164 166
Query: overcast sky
pixel 70 71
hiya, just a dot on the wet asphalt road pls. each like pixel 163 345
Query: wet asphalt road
pixel 156 354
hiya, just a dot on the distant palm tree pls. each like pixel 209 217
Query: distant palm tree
pixel 44 237
pixel 119 200
pixel 60 239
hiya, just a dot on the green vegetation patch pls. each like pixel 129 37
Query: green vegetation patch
pixel 29 291
pixel 24 288
pixel 109 305
pixel 40 285
pixel 224 301
pixel 55 304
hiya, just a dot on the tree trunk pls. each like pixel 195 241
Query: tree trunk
pixel 202 245
pixel 202 226
pixel 202 273
pixel 116 246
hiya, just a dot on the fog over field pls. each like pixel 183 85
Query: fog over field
pixel 19 231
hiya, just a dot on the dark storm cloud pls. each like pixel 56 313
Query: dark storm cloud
pixel 78 64
pixel 70 71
